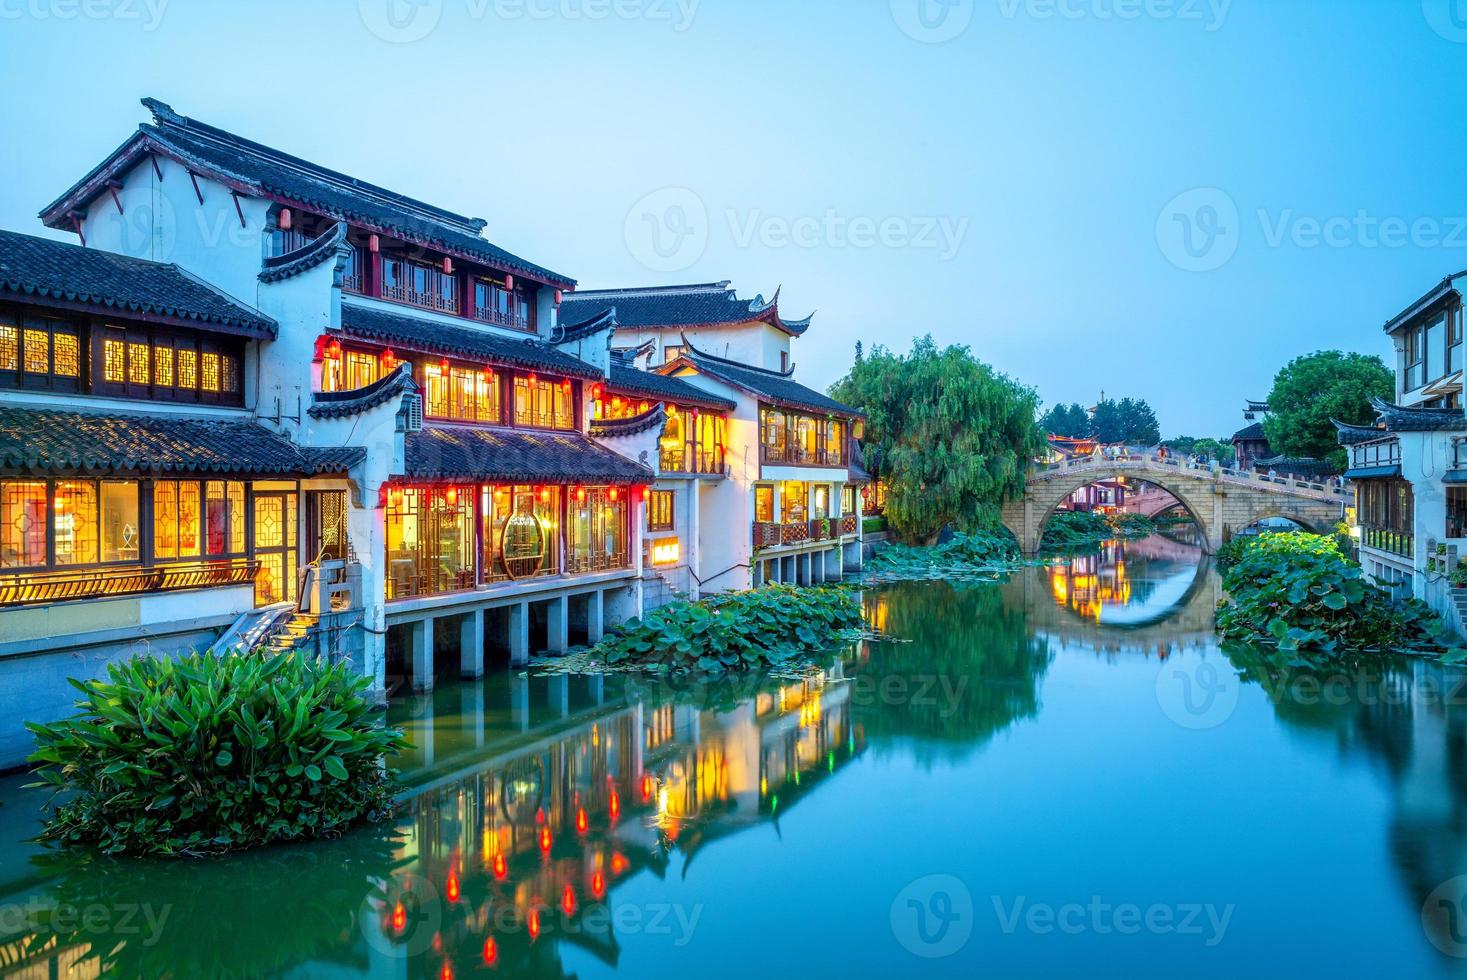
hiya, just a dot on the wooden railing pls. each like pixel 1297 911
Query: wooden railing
pixel 772 534
pixel 404 292
pixel 596 563
pixel 32 588
pixel 850 524
pixel 1387 539
pixel 512 320
pixel 799 456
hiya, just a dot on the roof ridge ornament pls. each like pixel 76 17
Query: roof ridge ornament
pixel 163 113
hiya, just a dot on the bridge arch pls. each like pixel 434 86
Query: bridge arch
pixel 1222 501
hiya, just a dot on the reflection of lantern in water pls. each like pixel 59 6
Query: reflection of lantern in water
pixel 615 804
pixel 568 900
pixel 399 917
pixel 598 884
pixel 501 866
pixel 545 839
pixel 646 788
pixel 446 973
pixel 491 951
pixel 581 822
pixel 618 864
pixel 534 923
pixel 451 888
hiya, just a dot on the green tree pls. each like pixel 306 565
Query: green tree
pixel 1139 426
pixel 1067 420
pixel 1106 423
pixel 1214 449
pixel 954 436
pixel 1311 390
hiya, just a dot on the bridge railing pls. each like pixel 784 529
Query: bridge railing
pixel 1153 461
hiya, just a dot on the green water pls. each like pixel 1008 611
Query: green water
pixel 1062 774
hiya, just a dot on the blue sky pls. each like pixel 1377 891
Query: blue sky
pixel 1159 198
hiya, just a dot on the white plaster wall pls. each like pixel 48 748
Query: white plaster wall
pixel 754 343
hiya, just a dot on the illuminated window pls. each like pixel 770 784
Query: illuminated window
pixel 188 369
pixel 37 352
pixel 22 523
pixel 229 374
pixel 119 531
pixel 795 502
pixel 224 514
pixel 75 522
pixel 114 360
pixel 9 345
pixel 67 354
pixel 209 372
pixel 596 531
pixel 543 404
pixel 138 368
pixel 361 370
pixel 163 366
pixel 436 404
pixel 659 510
pixel 177 519
pixel 764 504
pixel 848 499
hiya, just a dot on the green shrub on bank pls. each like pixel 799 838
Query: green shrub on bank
pixel 765 627
pixel 1298 592
pixel 873 525
pixel 210 753
pixel 1069 530
pixel 983 552
pixel 1231 552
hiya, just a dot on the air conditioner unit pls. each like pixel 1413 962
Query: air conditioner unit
pixel 410 416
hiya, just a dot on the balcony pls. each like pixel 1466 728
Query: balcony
pixel 34 588
pixel 501 318
pixel 1400 543
pixel 800 456
pixel 405 292
pixel 772 534
pixel 691 462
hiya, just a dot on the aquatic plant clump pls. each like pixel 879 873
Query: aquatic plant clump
pixel 987 554
pixel 770 626
pixel 1297 592
pixel 213 753
pixel 1071 530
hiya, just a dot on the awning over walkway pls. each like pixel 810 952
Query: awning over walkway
pixel 1373 473
pixel 43 441
pixel 473 455
pixel 1455 476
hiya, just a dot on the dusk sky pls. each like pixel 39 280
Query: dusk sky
pixel 1159 198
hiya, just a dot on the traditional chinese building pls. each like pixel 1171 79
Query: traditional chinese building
pixel 1409 470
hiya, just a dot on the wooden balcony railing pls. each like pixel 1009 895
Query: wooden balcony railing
pixel 1386 539
pixel 769 534
pixel 596 563
pixel 707 462
pixel 849 524
pixel 33 588
pixel 404 292
pixel 799 456
pixel 501 319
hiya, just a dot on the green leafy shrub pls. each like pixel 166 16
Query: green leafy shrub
pixel 1297 592
pixel 209 753
pixel 1072 530
pixel 1458 577
pixel 983 552
pixel 1231 552
pixel 765 627
pixel 873 525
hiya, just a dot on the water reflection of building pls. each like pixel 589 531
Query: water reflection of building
pixel 520 851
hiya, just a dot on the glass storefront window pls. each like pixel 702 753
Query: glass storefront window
pixel 75 522
pixel 119 531
pixel 796 501
pixel 764 504
pixel 22 523
pixel 521 532
pixel 597 530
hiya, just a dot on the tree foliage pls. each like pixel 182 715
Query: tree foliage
pixel 954 437
pixel 1129 420
pixel 1070 421
pixel 1311 390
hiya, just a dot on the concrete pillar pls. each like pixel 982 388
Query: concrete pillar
pixel 557 625
pixel 471 645
pixel 421 634
pixel 595 616
pixel 519 634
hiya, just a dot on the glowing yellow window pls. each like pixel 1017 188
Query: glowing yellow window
pixel 209 372
pixel 37 352
pixel 114 361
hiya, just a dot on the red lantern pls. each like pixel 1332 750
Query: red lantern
pixel 567 384
pixel 501 867
pixel 545 839
pixel 374 244
pixel 613 493
pixel 544 495
pixel 447 266
pixel 533 377
pixel 491 951
pixel 509 283
pixel 557 297
pixel 443 365
pixel 580 495
pixel 388 359
pixel 451 495
pixel 285 219
pixel 451 889
pixel 582 823
pixel 333 350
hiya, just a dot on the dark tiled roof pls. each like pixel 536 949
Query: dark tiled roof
pixel 567 332
pixel 700 305
pixel 43 440
pixel 432 337
pixel 632 381
pixel 1349 434
pixel 308 256
pixel 272 173
pixel 39 269
pixel 334 404
pixel 1250 433
pixel 619 428
pixel 515 456
pixel 1397 418
pixel 1429 299
pixel 1304 467
pixel 769 386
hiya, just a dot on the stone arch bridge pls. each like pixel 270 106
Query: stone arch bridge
pixel 1222 501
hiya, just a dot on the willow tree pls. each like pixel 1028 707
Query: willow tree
pixel 952 437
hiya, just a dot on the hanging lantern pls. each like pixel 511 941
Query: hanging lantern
pixel 451 495
pixel 567 384
pixel 580 495
pixel 447 266
pixel 374 244
pixel 395 495
pixel 333 350
pixel 509 283
pixel 534 378
pixel 389 361
pixel 443 365
pixel 285 219
pixel 671 411
pixel 544 495
pixel 613 494
pixel 596 392
pixel 557 297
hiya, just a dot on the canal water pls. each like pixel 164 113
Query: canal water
pixel 1061 774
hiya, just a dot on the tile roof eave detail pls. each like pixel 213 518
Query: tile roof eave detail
pixel 336 404
pixel 621 428
pixel 1350 435
pixel 320 249
pixel 498 455
pixel 1397 418
pixel 770 386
